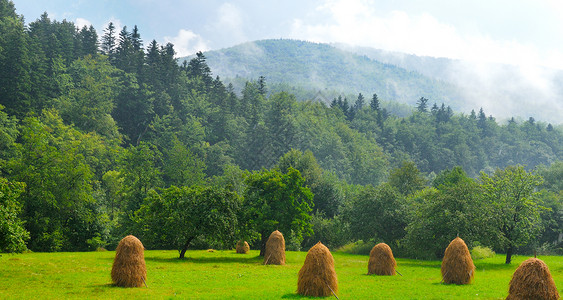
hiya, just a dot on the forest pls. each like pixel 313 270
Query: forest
pixel 103 135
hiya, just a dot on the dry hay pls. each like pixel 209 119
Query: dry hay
pixel 532 280
pixel 317 277
pixel 381 260
pixel 457 265
pixel 129 269
pixel 275 249
pixel 242 247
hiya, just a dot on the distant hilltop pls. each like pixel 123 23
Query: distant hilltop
pixel 502 90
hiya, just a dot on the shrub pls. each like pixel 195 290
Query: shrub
pixel 358 247
pixel 480 252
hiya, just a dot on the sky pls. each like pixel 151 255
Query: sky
pixel 518 32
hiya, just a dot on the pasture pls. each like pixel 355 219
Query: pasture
pixel 227 275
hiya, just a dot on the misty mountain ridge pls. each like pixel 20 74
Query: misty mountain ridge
pixel 501 90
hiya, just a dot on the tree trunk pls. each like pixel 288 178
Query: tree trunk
pixel 263 245
pixel 185 248
pixel 508 255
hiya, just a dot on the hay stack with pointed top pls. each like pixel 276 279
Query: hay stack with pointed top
pixel 242 247
pixel 532 280
pixel 275 249
pixel 381 260
pixel 129 269
pixel 457 265
pixel 317 277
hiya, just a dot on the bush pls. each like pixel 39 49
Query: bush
pixel 480 252
pixel 358 247
pixel 333 233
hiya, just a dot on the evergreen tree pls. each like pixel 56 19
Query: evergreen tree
pixel 374 104
pixel 360 102
pixel 421 105
pixel 109 42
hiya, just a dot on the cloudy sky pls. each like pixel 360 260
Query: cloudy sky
pixel 523 32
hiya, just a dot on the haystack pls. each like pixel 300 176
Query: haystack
pixel 242 247
pixel 129 268
pixel 275 249
pixel 532 280
pixel 317 277
pixel 457 265
pixel 381 260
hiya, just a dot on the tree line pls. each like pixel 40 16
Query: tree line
pixel 102 136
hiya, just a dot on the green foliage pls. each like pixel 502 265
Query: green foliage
pixel 377 214
pixel 278 201
pixel 407 179
pixel 332 232
pixel 359 247
pixel 58 203
pixel 175 217
pixel 440 215
pixel 480 252
pixel 514 211
pixel 13 235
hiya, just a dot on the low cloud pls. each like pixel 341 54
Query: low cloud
pixel 357 22
pixel 187 43
pixel 80 22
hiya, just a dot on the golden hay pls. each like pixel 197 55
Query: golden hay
pixel 532 280
pixel 317 277
pixel 275 249
pixel 457 265
pixel 242 247
pixel 129 268
pixel 381 260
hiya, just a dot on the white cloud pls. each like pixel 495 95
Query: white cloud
pixel 229 25
pixel 358 22
pixel 80 22
pixel 187 43
pixel 116 23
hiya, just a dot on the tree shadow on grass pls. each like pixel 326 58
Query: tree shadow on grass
pixel 494 266
pixel 208 260
pixel 297 296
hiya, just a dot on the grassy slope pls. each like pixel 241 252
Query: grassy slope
pixel 224 274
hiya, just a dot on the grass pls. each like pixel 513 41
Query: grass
pixel 227 275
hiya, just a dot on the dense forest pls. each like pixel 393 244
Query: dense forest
pixel 102 135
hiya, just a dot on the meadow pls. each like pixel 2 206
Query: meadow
pixel 227 275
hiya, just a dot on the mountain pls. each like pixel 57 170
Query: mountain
pixel 322 67
pixel 503 91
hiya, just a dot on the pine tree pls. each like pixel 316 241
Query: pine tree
pixel 374 104
pixel 109 41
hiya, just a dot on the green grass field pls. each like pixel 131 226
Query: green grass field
pixel 227 275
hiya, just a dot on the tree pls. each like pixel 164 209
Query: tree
pixel 58 204
pixel 13 234
pixel 178 215
pixel 421 105
pixel 377 213
pixel 15 62
pixel 514 212
pixel 276 201
pixel 360 102
pixel 440 214
pixel 374 104
pixel 326 189
pixel 407 179
pixel 90 101
pixel 109 41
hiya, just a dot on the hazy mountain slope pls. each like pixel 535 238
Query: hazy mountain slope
pixel 324 67
pixel 502 90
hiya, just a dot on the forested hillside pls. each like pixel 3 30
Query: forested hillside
pixel 105 134
pixel 322 67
